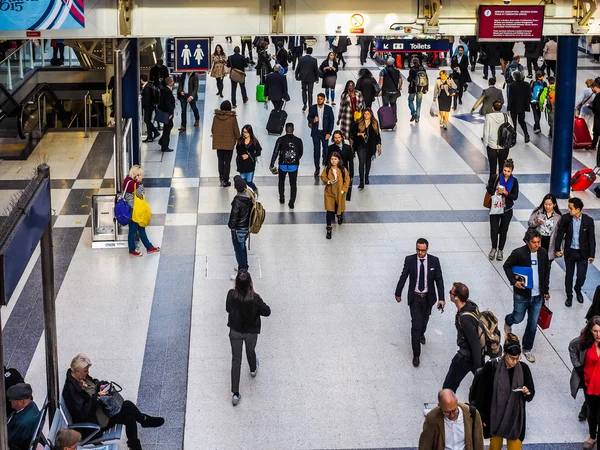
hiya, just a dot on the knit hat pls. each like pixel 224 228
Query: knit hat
pixel 239 183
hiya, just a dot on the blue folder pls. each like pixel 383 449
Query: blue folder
pixel 525 275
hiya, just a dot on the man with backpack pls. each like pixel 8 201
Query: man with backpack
pixel 509 73
pixel 530 290
pixel 418 84
pixel 499 136
pixel 390 82
pixel 546 103
pixel 239 222
pixel 537 87
pixel 469 357
pixel 150 99
pixel 289 150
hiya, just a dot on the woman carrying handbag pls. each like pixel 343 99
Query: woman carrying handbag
pixel 351 106
pixel 336 179
pixel 218 69
pixel 444 90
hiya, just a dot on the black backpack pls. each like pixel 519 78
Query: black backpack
pixel 507 135
pixel 155 95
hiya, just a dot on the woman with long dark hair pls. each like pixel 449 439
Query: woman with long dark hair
pixel 219 59
pixel 506 186
pixel 328 70
pixel 336 179
pixel 248 149
pixel 367 86
pixel 245 308
pixel 545 219
pixel 366 142
pixel 351 102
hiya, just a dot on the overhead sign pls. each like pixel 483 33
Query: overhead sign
pixel 357 21
pixel 192 55
pixel 20 15
pixel 412 45
pixel 510 23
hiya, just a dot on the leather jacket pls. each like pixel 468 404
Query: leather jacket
pixel 241 206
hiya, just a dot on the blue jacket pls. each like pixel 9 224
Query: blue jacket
pixel 328 119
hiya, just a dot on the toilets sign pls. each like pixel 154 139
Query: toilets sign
pixel 192 55
pixel 412 45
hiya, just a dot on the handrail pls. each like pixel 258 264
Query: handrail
pixel 45 89
pixel 16 50
pixel 9 96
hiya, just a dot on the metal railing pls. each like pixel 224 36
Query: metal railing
pixel 87 114
pixel 34 110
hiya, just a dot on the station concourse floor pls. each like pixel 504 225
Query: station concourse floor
pixel 335 356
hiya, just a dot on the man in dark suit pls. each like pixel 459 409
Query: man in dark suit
pixel 148 108
pixel 320 121
pixel 276 88
pixel 423 271
pixel 237 61
pixel 528 300
pixel 167 106
pixel 188 94
pixel 460 73
pixel 307 73
pixel 577 230
pixel 296 45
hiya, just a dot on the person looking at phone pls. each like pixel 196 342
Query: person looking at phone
pixel 528 299
pixel 336 179
pixel 499 392
pixel 469 357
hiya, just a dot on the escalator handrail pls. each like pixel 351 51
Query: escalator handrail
pixel 40 88
pixel 9 96
pixel 15 51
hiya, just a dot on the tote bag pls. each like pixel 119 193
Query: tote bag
pixel 545 317
pixel 498 204
pixel 141 210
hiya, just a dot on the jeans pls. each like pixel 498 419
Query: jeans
pixel 237 340
pixel 575 259
pixel 224 164
pixel 238 238
pixel 532 307
pixel 184 104
pixel 420 310
pixel 330 94
pixel 520 118
pixel 234 86
pixel 389 99
pixel 411 104
pixel 249 178
pixel 511 444
pixel 364 165
pixel 537 115
pixel 485 70
pixel 593 417
pixel 133 229
pixel 459 368
pixel 307 93
pixel 293 184
pixel 319 142
pixel 499 224
pixel 129 416
pixel 496 158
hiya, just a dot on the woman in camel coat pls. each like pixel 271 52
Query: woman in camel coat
pixel 337 180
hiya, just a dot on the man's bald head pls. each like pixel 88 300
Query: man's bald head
pixel 448 402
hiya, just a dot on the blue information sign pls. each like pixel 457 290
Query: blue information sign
pixel 413 45
pixel 19 15
pixel 192 55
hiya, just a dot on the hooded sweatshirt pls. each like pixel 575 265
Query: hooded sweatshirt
pixel 225 130
pixel 490 128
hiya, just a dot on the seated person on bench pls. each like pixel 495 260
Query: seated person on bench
pixel 23 421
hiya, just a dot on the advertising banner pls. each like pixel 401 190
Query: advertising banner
pixel 19 15
pixel 412 45
pixel 510 23
pixel 192 55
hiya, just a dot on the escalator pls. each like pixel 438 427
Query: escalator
pixel 22 125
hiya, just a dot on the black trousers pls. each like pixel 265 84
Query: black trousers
pixel 340 57
pixel 364 51
pixel 296 55
pixel 151 131
pixel 496 158
pixel 247 43
pixel 520 118
pixel 532 66
pixel 129 416
pixel 319 143
pixel 537 115
pixel 551 65
pixel 277 104
pixel 166 135
pixel 293 184
pixel 575 259
pixel 458 370
pixel 307 93
pixel 593 417
pixel 596 131
pixel 58 48
pixel 224 163
pixel 499 228
pixel 459 94
pixel 220 86
pixel 234 86
pixel 420 310
pixel 364 164
pixel 390 99
pixel 491 68
pixel 473 59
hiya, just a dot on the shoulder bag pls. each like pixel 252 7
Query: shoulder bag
pixel 123 211
pixel 487 198
pixel 113 401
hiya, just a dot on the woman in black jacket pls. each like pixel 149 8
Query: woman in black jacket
pixel 248 149
pixel 83 395
pixel 263 65
pixel 499 392
pixel 245 308
pixel 506 187
pixel 328 71
pixel 368 86
pixel 366 142
pixel 519 101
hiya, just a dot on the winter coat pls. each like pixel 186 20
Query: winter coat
pixel 218 66
pixel 519 99
pixel 533 49
pixel 329 72
pixel 244 317
pixel 253 151
pixel 82 406
pixel 578 360
pixel 366 86
pixel 335 193
pixel 346 114
pixel 550 50
pixel 241 207
pixel 225 130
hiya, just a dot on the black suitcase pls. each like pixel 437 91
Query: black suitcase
pixel 276 121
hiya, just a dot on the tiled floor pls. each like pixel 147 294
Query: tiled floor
pixel 335 354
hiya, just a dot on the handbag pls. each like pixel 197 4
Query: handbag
pixel 123 211
pixel 142 214
pixel 497 207
pixel 113 401
pixel 107 98
pixel 336 41
pixel 434 110
pixel 237 76
pixel 545 317
pixel 487 198
pixel 162 116
pixel 357 115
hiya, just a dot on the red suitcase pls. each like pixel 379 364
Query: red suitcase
pixel 581 134
pixel 583 179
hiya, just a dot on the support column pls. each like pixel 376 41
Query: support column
pixel 564 114
pixel 131 95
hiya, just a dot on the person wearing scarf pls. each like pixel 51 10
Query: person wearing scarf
pixel 499 392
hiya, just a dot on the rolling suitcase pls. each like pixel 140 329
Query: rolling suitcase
pixel 583 179
pixel 385 115
pixel 276 121
pixel 260 93
pixel 581 134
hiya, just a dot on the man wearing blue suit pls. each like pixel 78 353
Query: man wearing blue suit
pixel 320 121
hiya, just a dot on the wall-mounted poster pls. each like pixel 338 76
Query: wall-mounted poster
pixel 20 15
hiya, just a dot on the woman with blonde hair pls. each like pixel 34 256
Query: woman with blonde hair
pixel 581 107
pixel 444 90
pixel 366 141
pixel 133 185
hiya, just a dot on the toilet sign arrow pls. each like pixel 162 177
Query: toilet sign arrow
pixel 386 46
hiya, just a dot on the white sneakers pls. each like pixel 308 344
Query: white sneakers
pixel 256 370
pixel 235 399
pixel 529 356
